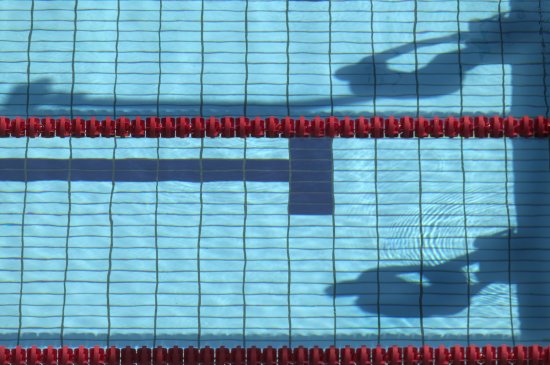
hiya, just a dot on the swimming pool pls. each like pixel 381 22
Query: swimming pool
pixel 99 247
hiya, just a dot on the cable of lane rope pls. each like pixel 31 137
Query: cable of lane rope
pixel 287 127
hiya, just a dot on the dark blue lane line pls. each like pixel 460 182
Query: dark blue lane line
pixel 311 190
pixel 143 170
pixel 310 185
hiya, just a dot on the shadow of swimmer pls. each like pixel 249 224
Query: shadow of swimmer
pixel 519 256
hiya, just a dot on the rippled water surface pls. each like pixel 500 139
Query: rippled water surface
pixel 274 241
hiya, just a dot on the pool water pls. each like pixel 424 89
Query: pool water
pixel 274 241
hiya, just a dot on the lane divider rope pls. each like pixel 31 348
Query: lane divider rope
pixel 271 127
pixel 409 355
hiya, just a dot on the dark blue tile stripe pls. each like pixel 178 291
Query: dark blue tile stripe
pixel 310 181
pixel 143 170
pixel 311 190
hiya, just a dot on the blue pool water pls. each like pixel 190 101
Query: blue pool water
pixel 274 241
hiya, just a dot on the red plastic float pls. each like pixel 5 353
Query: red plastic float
pixel 269 356
pixel 191 356
pixel 362 356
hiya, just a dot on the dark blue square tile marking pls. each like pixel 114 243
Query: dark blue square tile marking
pixel 309 172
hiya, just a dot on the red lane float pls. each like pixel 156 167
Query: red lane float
pixel 395 355
pixel 271 127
